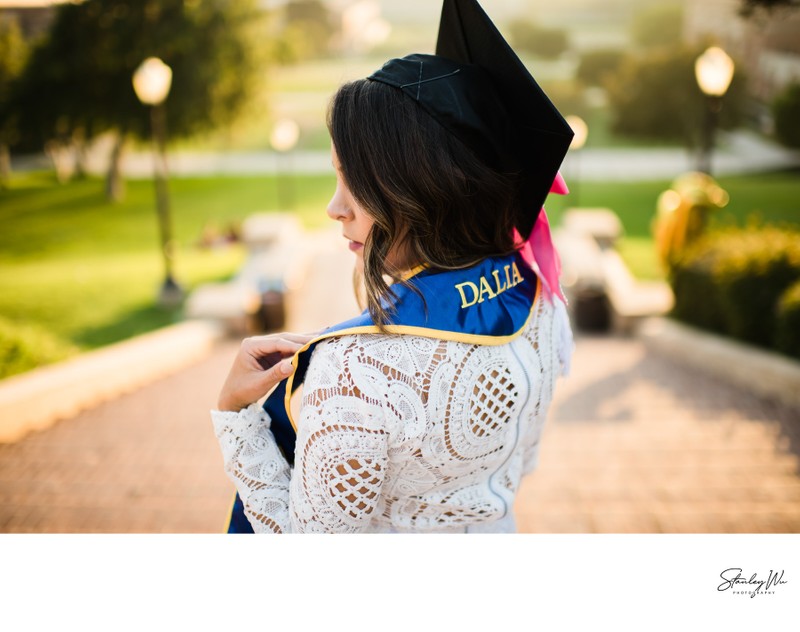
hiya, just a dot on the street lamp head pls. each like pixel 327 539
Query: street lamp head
pixel 152 81
pixel 581 130
pixel 714 71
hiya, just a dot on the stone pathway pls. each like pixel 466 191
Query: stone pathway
pixel 636 443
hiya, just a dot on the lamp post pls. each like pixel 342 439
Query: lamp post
pixel 152 81
pixel 581 130
pixel 283 139
pixel 714 72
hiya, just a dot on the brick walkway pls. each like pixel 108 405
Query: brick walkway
pixel 633 444
pixel 637 444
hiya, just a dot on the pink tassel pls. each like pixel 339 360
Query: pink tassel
pixel 559 186
pixel 539 248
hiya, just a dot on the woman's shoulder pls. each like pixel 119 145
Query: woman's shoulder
pixel 548 318
pixel 367 362
pixel 360 347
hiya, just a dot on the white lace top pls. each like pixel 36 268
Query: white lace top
pixel 403 434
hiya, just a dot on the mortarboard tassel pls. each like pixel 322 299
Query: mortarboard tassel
pixel 539 248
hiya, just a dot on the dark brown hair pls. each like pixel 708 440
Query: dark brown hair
pixel 427 193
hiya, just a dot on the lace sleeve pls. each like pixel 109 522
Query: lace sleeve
pixel 256 466
pixel 340 455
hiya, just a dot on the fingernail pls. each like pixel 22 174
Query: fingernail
pixel 286 367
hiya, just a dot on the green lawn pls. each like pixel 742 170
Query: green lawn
pixel 77 272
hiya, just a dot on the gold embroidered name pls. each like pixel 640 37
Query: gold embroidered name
pixel 488 287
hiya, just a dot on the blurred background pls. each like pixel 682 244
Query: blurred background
pixel 164 161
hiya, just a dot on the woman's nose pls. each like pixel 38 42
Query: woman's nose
pixel 337 209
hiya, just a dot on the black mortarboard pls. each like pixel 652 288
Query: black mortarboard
pixel 478 89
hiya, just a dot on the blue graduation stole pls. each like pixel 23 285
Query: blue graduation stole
pixel 489 303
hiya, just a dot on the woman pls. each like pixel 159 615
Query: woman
pixel 424 413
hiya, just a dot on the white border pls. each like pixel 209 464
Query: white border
pixel 526 582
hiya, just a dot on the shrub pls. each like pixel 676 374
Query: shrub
pixel 756 269
pixel 731 281
pixel 697 299
pixel 786 110
pixel 569 98
pixel 597 65
pixel 787 327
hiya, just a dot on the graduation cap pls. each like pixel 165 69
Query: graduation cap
pixel 479 90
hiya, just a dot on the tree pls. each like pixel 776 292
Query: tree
pixel 78 83
pixel 302 29
pixel 597 65
pixel 13 53
pixel 537 40
pixel 656 96
pixel 750 7
pixel 658 25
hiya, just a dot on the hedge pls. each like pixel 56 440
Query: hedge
pixel 787 330
pixel 733 282
pixel 786 111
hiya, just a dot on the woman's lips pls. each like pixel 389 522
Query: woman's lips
pixel 355 246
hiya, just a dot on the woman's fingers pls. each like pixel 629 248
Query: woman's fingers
pixel 246 384
pixel 264 381
pixel 267 350
pixel 269 360
pixel 261 363
pixel 262 348
pixel 284 342
pixel 300 338
pixel 275 374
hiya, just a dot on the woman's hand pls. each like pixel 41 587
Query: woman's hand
pixel 261 363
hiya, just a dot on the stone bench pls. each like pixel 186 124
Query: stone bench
pixel 601 224
pixel 603 292
pixel 255 299
pixel 234 305
pixel 582 278
pixel 630 299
